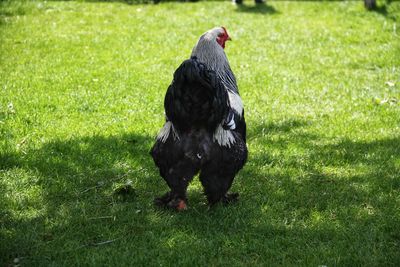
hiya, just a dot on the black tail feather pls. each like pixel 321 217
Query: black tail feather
pixel 196 97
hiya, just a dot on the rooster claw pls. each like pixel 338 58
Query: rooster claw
pixel 171 202
pixel 230 198
pixel 163 200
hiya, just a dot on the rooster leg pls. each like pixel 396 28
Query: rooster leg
pixel 217 175
pixel 216 188
pixel 178 178
pixel 216 183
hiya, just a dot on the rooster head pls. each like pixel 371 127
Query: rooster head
pixel 217 35
pixel 210 49
pixel 222 36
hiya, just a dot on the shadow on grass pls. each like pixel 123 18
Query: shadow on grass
pixel 328 190
pixel 383 10
pixel 299 194
pixel 74 181
pixel 257 9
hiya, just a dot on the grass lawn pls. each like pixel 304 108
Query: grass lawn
pixel 81 99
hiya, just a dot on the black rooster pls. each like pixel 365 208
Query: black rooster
pixel 205 129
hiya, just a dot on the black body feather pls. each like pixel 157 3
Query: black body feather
pixel 196 98
pixel 196 103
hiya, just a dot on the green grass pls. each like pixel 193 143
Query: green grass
pixel 81 99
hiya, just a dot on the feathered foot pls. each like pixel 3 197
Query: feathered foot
pixel 230 198
pixel 226 199
pixel 170 201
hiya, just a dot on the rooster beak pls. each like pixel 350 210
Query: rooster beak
pixel 229 38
